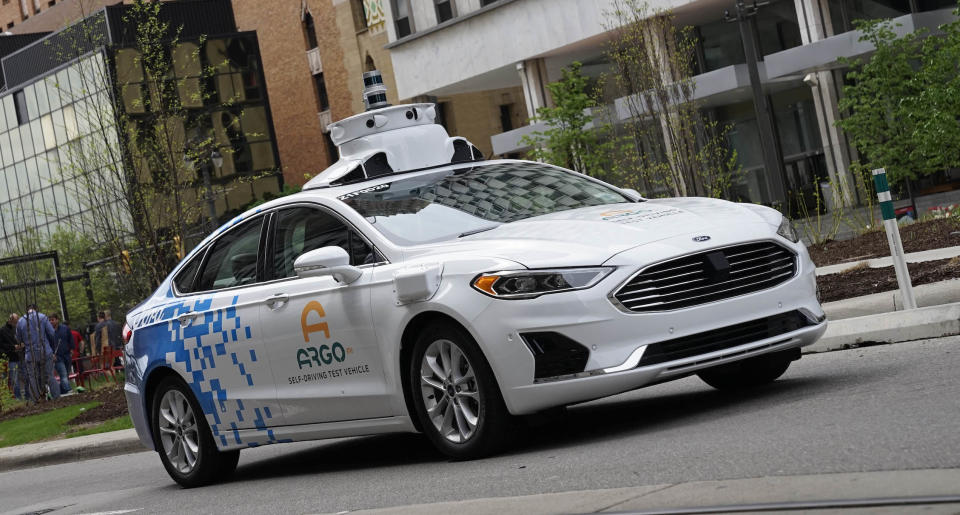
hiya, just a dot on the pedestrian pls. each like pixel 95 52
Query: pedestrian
pixel 63 351
pixel 107 332
pixel 10 349
pixel 36 334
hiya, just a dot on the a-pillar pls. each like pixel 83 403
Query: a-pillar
pixel 815 24
pixel 533 79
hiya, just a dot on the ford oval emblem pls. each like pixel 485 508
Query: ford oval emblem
pixel 701 238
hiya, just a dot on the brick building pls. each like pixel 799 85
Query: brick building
pixel 314 52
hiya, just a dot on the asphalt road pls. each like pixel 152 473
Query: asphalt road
pixel 893 407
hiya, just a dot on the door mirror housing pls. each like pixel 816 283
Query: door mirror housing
pixel 332 261
pixel 632 193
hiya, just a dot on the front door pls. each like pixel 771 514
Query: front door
pixel 319 333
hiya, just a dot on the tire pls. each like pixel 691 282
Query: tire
pixel 751 372
pixel 476 423
pixel 174 408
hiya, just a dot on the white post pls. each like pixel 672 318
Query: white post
pixel 893 238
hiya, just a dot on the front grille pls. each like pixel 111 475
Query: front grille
pixel 723 338
pixel 708 276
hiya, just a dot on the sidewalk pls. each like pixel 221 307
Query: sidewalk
pixel 913 257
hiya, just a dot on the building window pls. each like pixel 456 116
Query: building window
pixel 445 10
pixel 20 103
pixel 403 20
pixel 484 3
pixel 9 25
pixel 309 31
pixel 321 92
pixel 506 117
pixel 24 9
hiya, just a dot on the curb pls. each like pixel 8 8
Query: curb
pixel 69 450
pixel 897 326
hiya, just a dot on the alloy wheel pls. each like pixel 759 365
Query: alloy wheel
pixel 178 431
pixel 450 391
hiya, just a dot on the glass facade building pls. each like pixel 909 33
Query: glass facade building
pixel 60 111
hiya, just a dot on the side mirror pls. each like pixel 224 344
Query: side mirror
pixel 632 193
pixel 332 261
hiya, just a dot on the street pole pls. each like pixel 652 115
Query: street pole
pixel 769 145
pixel 893 238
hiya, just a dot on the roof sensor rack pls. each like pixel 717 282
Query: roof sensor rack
pixel 390 139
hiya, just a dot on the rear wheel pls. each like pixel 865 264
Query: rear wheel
pixel 455 394
pixel 751 372
pixel 183 440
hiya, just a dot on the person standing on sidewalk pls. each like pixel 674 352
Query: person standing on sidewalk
pixel 36 333
pixel 10 350
pixel 62 351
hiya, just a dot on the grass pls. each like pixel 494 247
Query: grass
pixel 38 427
pixel 114 424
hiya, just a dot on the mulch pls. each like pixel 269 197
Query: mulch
pixel 112 404
pixel 864 281
pixel 931 234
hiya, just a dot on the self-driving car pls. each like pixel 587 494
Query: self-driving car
pixel 415 287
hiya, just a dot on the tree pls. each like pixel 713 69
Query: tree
pixel 572 140
pixel 676 147
pixel 140 123
pixel 882 123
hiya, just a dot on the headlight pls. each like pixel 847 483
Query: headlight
pixel 787 230
pixel 527 284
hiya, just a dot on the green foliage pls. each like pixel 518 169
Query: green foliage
pixel 880 125
pixel 572 140
pixel 31 428
pixel 904 101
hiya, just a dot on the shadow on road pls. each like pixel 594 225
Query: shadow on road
pixel 578 425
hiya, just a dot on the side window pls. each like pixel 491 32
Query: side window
pixel 232 261
pixel 184 279
pixel 302 229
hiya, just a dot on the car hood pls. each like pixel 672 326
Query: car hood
pixel 592 235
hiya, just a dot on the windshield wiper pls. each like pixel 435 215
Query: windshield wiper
pixel 476 231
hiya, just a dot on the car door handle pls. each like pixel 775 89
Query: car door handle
pixel 277 301
pixel 186 319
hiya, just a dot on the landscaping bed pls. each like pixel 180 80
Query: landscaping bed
pixel 112 404
pixel 865 281
pixel 918 236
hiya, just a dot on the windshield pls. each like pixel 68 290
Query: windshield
pixel 464 201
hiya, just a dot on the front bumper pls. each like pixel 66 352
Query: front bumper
pixel 615 338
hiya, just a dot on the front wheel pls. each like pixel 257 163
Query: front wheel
pixel 455 395
pixel 751 372
pixel 183 440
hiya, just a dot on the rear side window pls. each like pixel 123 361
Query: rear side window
pixel 184 279
pixel 232 261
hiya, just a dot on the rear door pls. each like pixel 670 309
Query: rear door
pixel 319 333
pixel 221 351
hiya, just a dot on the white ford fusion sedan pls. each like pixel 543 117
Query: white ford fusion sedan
pixel 413 286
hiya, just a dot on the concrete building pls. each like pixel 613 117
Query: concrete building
pixel 62 91
pixel 498 52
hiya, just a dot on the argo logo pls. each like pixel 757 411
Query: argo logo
pixel 324 354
